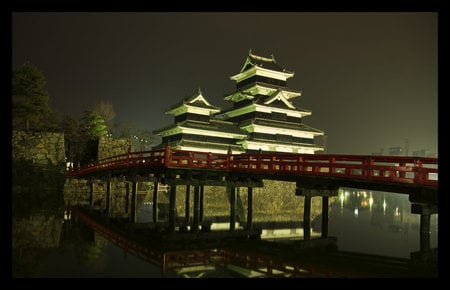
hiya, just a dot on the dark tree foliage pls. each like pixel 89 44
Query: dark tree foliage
pixel 30 108
pixel 93 125
pixel 105 109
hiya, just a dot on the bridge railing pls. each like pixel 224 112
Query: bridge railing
pixel 404 169
pixel 419 170
pixel 127 160
pixel 197 159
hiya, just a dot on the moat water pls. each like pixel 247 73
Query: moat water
pixel 367 222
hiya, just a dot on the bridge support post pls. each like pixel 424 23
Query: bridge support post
pixel 108 196
pixel 91 194
pixel 309 191
pixel 250 208
pixel 325 200
pixel 155 202
pixel 202 193
pixel 172 208
pixel 127 196
pixel 425 211
pixel 133 201
pixel 307 218
pixel 425 232
pixel 232 194
pixel 187 204
pixel 196 209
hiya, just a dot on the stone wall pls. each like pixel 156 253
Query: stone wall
pixel 38 172
pixel 47 148
pixel 77 192
pixel 276 201
pixel 43 148
pixel 108 146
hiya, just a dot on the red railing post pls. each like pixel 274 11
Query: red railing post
pixel 189 161
pixel 167 155
pixel 367 170
pixel 229 157
pixel 300 164
pixel 128 162
pixel 370 164
pixel 331 165
pixel 402 172
pixel 418 173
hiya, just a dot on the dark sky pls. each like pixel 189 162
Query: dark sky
pixel 369 78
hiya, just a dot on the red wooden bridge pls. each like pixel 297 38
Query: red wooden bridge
pixel 314 174
pixel 420 171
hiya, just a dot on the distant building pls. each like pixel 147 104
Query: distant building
pixel 424 153
pixel 395 151
pixel 262 116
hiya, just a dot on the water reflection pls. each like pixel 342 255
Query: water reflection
pixel 84 253
pixel 377 223
pixel 367 222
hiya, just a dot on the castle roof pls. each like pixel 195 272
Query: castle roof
pixel 263 62
pixel 196 100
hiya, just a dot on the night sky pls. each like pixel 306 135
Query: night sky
pixel 370 79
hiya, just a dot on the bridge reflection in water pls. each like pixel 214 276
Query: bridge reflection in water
pixel 241 253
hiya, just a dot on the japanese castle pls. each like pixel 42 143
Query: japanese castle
pixel 262 116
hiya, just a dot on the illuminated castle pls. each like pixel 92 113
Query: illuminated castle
pixel 262 117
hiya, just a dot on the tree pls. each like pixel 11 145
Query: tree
pixel 30 108
pixel 93 125
pixel 106 110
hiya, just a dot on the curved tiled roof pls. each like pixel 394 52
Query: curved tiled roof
pixel 263 62
pixel 195 101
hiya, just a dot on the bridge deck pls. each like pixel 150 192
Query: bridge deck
pixel 402 174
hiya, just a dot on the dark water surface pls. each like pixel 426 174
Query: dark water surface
pixel 366 222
